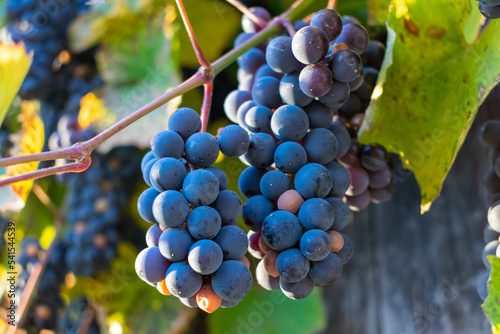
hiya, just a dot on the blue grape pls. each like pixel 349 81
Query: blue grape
pixel 281 230
pixel 374 157
pixel 232 241
pixel 494 216
pixel 201 187
pixel 375 53
pixel 150 265
pixel 341 213
pixel 337 96
pixel 250 26
pixel 490 12
pixel 266 71
pixel 233 101
pixel 247 84
pixel 310 45
pixel 266 92
pixel 264 279
pixel 229 304
pixel 255 210
pixel 170 208
pixel 229 206
pixel 313 180
pixel 205 257
pixel 315 245
pixel 289 157
pixel 358 82
pixel 289 123
pixel 345 253
pixel 202 149
pixel 297 290
pixel 320 145
pixel 346 19
pixel 174 244
pixel 316 213
pixel 147 158
pixel 145 204
pixel 273 184
pixel 232 281
pixel 341 180
pixel 320 116
pixel 280 57
pixel 351 107
pixel 249 181
pixel 346 65
pixel 190 301
pixel 260 153
pixel 168 174
pixel 343 137
pixel 182 281
pixel 204 222
pixel 251 60
pixel 290 91
pixel 167 144
pixel 153 235
pixel 489 249
pixel 233 141
pixel 292 265
pixel 329 21
pixel 326 271
pixel 355 36
pixel 220 175
pixel 297 25
pixel 316 80
pixel 146 172
pixel 243 110
pixel 258 119
pixel 184 121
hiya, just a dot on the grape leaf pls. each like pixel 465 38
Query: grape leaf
pixel 32 139
pixel 430 87
pixel 491 305
pixel 269 312
pixel 14 65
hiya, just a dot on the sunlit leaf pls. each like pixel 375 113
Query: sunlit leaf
pixel 430 87
pixel 377 11
pixel 14 65
pixel 93 111
pixel 491 305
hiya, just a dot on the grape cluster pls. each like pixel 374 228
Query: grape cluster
pixel 490 137
pixel 47 302
pixel 294 183
pixel 195 252
pixel 42 26
pixel 96 200
pixel 489 8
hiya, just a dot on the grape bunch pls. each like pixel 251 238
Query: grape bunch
pixel 96 202
pixel 489 8
pixel 490 137
pixel 195 252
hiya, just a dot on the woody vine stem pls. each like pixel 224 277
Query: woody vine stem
pixel 80 152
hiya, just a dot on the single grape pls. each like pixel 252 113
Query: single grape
pixel 289 157
pixel 343 137
pixel 270 261
pixel 247 84
pixel 340 179
pixel 315 245
pixel 204 222
pixel 233 101
pixel 261 150
pixel 313 180
pixel 167 144
pixel 310 45
pixel 258 119
pixel 281 230
pixel 337 96
pixel 280 57
pixel 151 266
pixel 358 82
pixel 329 21
pixel 360 201
pixel 201 187
pixel 167 174
pixel 336 240
pixel 326 271
pixel 494 217
pixel 174 244
pixel 266 92
pixel 182 281
pixel 153 235
pixel 265 280
pixel 266 71
pixel 242 112
pixel 233 141
pixel 374 157
pixel 346 65
pixel 289 123
pixel 320 145
pixel 171 208
pixel 255 210
pixel 202 149
pixel 220 175
pixel 147 158
pixel 320 116
pixel 490 12
pixel 345 253
pixel 145 204
pixel 250 26
pixel 205 257
pixel 380 179
pixel 232 281
pixel 146 172
pixel 316 213
pixel 292 265
pixel 249 181
pixel 273 184
pixel 298 290
pixel 374 54
pixel 251 60
pixel 355 36
pixel 316 80
pixel 185 122
pixel 359 180
pixel 290 91
pixel 229 206
pixel 290 201
pixel 233 242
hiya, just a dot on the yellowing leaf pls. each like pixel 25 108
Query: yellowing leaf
pixel 430 87
pixel 93 111
pixel 14 65
pixel 31 142
pixel 491 305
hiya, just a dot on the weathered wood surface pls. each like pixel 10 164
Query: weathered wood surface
pixel 418 274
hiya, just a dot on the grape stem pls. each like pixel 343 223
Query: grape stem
pixel 246 11
pixel 81 151
pixel 192 36
pixel 208 89
pixel 40 266
pixel 332 4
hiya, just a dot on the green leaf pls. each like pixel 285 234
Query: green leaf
pixel 378 10
pixel 269 312
pixel 430 87
pixel 491 305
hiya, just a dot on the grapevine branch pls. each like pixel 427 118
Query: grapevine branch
pixel 81 151
pixel 246 11
pixel 207 104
